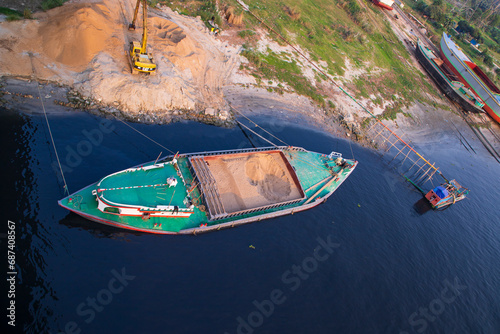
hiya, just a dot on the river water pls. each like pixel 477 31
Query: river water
pixel 364 262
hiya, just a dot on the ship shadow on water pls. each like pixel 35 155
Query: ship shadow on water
pixel 73 220
pixel 422 206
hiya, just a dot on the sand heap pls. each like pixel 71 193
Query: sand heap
pixel 247 181
pixel 84 44
pixel 73 35
pixel 268 176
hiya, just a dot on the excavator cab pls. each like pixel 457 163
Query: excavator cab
pixel 140 59
pixel 141 62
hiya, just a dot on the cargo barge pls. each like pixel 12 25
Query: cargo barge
pixel 472 76
pixel 454 89
pixel 200 192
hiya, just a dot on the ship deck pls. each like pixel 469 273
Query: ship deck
pixel 143 187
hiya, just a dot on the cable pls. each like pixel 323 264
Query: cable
pixel 257 125
pixel 144 135
pixel 320 167
pixel 255 133
pixel 48 125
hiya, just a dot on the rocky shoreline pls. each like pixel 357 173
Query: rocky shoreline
pixel 251 102
pixel 199 77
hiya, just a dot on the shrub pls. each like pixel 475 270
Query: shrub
pixel 245 33
pixel 11 15
pixel 49 4
pixel 27 14
pixel 232 17
pixel 294 13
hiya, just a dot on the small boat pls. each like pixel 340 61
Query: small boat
pixel 446 194
pixel 199 192
pixel 387 4
pixel 472 76
pixel 454 89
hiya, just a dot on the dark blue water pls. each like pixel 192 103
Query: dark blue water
pixel 363 262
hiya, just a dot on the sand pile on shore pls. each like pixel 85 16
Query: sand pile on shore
pixel 73 35
pixel 84 44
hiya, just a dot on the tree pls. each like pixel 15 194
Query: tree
pixel 495 20
pixel 488 61
pixel 421 6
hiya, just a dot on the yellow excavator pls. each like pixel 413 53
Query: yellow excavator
pixel 140 59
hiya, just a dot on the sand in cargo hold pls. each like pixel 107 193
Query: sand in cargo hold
pixel 252 181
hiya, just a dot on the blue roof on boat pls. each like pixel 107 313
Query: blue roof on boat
pixel 441 192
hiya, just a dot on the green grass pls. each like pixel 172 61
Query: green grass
pixel 246 33
pixel 278 67
pixel 11 14
pixel 206 9
pixel 49 4
pixel 333 30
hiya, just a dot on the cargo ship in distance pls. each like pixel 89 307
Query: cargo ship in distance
pixel 472 76
pixel 454 89
pixel 200 192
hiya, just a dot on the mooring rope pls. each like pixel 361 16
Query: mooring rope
pixel 255 133
pixel 257 125
pixel 319 166
pixel 154 141
pixel 48 124
pixel 352 153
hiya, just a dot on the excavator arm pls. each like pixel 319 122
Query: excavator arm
pixel 145 27
pixel 131 26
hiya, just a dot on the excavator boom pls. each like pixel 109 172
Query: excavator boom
pixel 131 26
pixel 145 28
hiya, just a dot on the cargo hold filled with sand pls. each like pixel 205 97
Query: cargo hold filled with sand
pixel 253 180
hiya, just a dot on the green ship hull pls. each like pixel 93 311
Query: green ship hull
pixel 201 192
